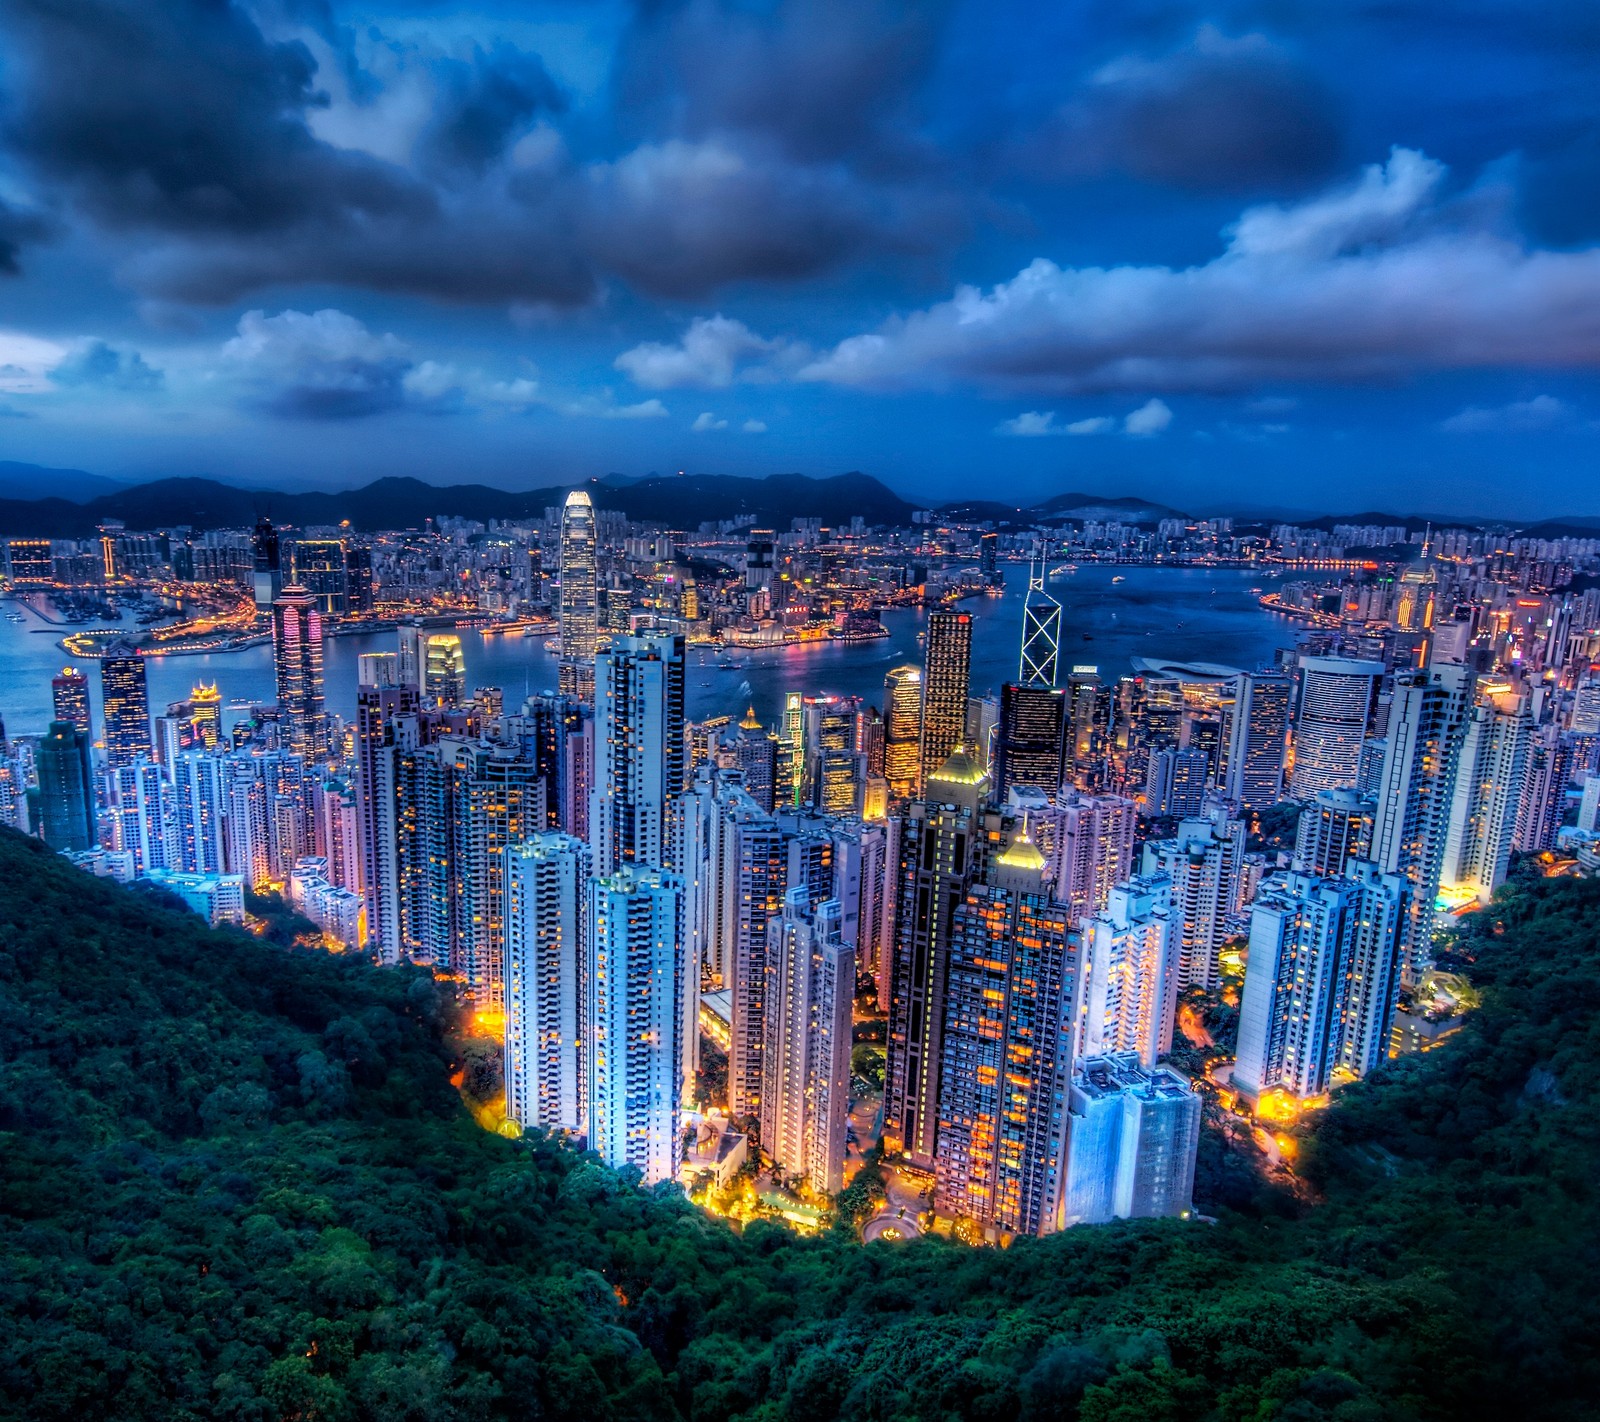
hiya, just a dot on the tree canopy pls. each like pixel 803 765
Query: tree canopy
pixel 236 1182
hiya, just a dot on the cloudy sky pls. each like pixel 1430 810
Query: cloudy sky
pixel 1326 256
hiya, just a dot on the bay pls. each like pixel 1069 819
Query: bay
pixel 1111 614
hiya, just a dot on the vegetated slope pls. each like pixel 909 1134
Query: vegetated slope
pixel 235 1183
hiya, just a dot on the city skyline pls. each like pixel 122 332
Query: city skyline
pixel 1168 254
pixel 965 933
pixel 785 710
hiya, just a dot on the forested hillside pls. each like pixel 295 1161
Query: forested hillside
pixel 235 1182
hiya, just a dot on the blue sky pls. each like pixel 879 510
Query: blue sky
pixel 1322 257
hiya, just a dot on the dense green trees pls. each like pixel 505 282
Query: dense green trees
pixel 235 1182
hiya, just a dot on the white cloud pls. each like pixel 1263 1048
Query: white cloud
pixel 1149 419
pixel 644 410
pixel 754 426
pixel 432 380
pixel 1029 424
pixel 1542 412
pixel 292 339
pixel 705 420
pixel 320 365
pixel 713 353
pixel 1035 423
pixel 26 362
pixel 1381 277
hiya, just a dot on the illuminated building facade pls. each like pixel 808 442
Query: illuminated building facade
pixel 1006 1049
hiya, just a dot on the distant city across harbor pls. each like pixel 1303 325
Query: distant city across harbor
pixel 1111 614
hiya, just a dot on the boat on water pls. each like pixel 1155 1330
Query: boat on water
pixel 1119 579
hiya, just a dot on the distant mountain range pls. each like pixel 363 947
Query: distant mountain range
pixel 35 481
pixel 77 502
pixel 679 502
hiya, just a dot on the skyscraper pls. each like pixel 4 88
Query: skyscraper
pixel 834 771
pixel 69 691
pixel 543 728
pixel 638 750
pixel 1087 751
pixel 1090 847
pixel 633 1060
pixel 125 705
pixel 1029 747
pixel 791 753
pixel 580 597
pixel 701 741
pixel 318 565
pixel 379 702
pixel 66 788
pixel 1130 973
pixel 1203 863
pixel 1134 1134
pixel 268 579
pixel 477 799
pixel 946 840
pixel 297 658
pixel 1488 789
pixel 199 843
pixel 1175 782
pixel 902 731
pixel 1544 790
pixel 205 714
pixel 1006 1048
pixel 805 1089
pixel 756 754
pixel 137 804
pixel 546 990
pixel 444 671
pixel 1337 696
pixel 1321 983
pixel 378 669
pixel 946 678
pixel 1258 733
pixel 1334 829
pixel 1041 632
pixel 408 651
pixel 1427 721
pixel 733 860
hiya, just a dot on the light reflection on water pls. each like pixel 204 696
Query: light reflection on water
pixel 1184 614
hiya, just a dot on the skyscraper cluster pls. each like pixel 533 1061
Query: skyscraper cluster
pixel 1027 885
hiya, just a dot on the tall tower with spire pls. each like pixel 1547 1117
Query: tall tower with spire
pixel 580 597
pixel 1041 630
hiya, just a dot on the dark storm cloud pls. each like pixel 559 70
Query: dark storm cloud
pixel 107 367
pixel 1218 114
pixel 17 230
pixel 485 101
pixel 181 116
pixel 188 124
pixel 184 121
pixel 818 79
pixel 682 218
